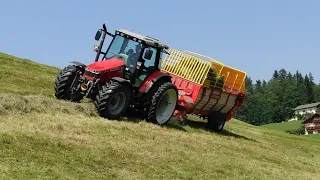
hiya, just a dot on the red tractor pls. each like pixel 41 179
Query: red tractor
pixel 127 77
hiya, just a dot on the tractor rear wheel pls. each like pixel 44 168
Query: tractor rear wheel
pixel 163 103
pixel 62 88
pixel 113 100
pixel 216 121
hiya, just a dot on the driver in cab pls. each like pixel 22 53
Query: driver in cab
pixel 133 57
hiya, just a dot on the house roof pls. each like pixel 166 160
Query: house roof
pixel 305 106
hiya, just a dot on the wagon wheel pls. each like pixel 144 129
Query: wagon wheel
pixel 216 121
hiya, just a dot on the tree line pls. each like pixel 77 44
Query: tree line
pixel 272 101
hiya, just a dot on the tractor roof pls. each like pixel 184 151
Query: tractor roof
pixel 150 41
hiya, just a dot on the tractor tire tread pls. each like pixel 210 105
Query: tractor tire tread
pixel 63 81
pixel 102 99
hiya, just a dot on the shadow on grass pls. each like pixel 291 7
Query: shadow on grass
pixel 174 124
pixel 170 125
pixel 203 125
pixel 228 133
pixel 198 125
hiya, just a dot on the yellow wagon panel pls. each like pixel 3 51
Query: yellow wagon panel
pixel 203 70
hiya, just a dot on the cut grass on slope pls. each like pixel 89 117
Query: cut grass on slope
pixel 286 126
pixel 22 76
pixel 11 104
pixel 46 138
pixel 42 138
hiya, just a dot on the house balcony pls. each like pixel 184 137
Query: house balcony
pixel 313 127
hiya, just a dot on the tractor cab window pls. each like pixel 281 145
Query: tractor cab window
pixel 162 58
pixel 126 49
pixel 115 47
pixel 148 68
pixel 150 63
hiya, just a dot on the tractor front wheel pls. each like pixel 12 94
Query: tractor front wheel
pixel 63 85
pixel 216 121
pixel 163 103
pixel 113 100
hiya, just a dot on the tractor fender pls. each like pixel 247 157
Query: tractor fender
pixel 152 79
pixel 127 83
pixel 79 65
pixel 123 81
pixel 165 77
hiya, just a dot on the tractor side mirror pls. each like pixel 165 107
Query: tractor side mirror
pixel 148 54
pixel 98 35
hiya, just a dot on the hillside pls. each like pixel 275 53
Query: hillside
pixel 294 127
pixel 43 138
pixel 22 76
pixel 286 126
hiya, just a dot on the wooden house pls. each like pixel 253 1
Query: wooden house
pixel 312 124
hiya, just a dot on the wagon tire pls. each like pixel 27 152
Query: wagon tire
pixel 163 103
pixel 216 122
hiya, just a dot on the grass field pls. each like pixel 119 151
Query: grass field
pixel 313 136
pixel 286 126
pixel 42 138
pixel 290 126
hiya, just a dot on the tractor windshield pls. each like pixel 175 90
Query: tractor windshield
pixel 126 49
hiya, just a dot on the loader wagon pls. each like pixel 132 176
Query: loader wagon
pixel 206 87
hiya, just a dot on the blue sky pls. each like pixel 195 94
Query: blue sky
pixel 254 36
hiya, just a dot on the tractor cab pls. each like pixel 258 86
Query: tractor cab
pixel 141 54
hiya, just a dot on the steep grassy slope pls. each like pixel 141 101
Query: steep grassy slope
pixel 43 138
pixel 22 76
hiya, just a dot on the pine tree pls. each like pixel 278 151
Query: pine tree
pixel 249 85
pixel 258 87
pixel 302 90
pixel 275 74
pixel 317 92
pixel 282 75
pixel 309 89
